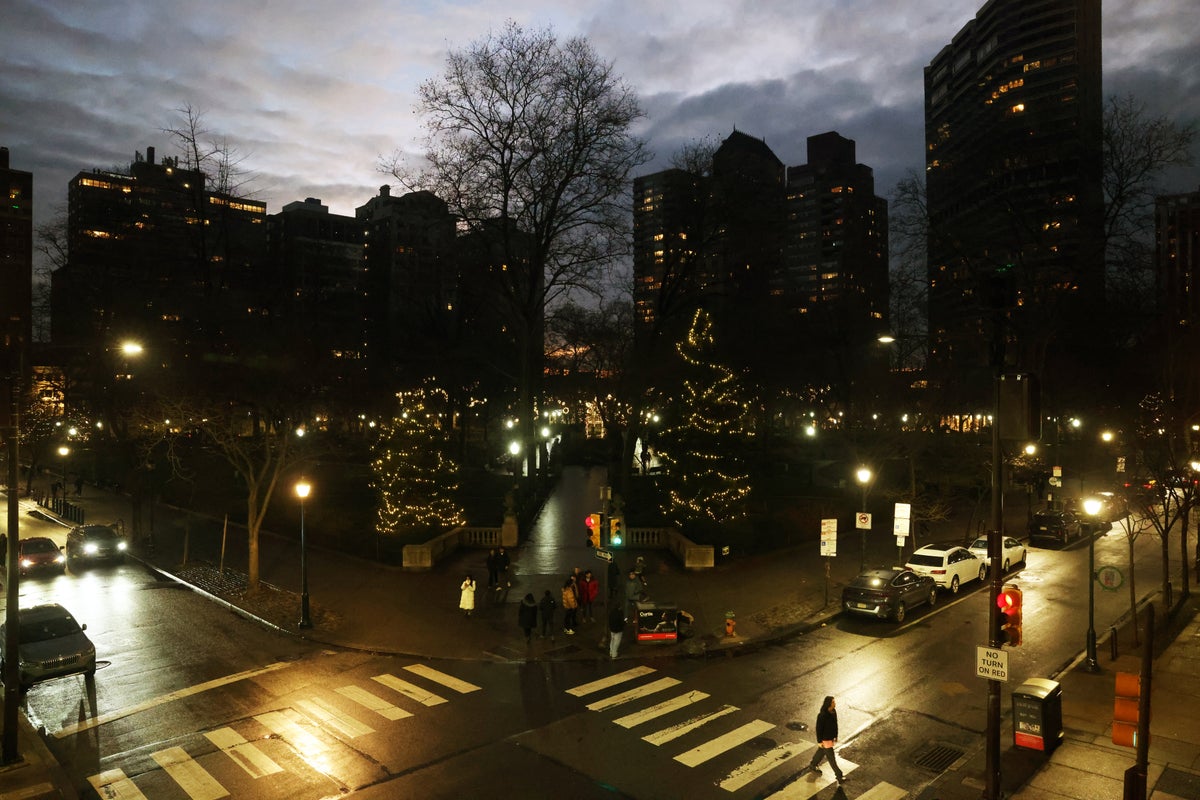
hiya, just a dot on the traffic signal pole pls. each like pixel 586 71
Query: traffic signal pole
pixel 992 760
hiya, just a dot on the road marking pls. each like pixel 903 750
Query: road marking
pixel 199 688
pixel 190 776
pixel 449 681
pixel 633 694
pixel 321 712
pixel 809 783
pixel 760 766
pixel 255 762
pixel 611 680
pixel 675 731
pixel 112 784
pixel 409 690
pixel 659 710
pixel 883 791
pixel 373 702
pixel 728 741
pixel 308 746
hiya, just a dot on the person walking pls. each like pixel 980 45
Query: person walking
pixel 467 597
pixel 616 629
pixel 547 605
pixel 827 734
pixel 493 567
pixel 502 564
pixel 527 616
pixel 589 589
pixel 570 603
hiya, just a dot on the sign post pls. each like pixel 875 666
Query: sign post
pixel 901 525
pixel 828 548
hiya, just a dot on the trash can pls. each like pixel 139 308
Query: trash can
pixel 1037 714
pixel 657 622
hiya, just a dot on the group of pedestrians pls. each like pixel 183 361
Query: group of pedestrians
pixel 578 597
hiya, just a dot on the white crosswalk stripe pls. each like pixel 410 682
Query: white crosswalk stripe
pixel 320 711
pixel 808 784
pixel 723 743
pixel 410 690
pixel 373 702
pixel 683 728
pixel 255 762
pixel 190 776
pixel 633 694
pixel 666 707
pixel 772 759
pixel 114 785
pixel 449 681
pixel 610 681
pixel 883 791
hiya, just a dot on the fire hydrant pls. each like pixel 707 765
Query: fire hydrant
pixel 730 624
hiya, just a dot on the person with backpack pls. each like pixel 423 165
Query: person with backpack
pixel 570 603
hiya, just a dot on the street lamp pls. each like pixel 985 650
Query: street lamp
pixel 1092 506
pixel 64 451
pixel 303 487
pixel 514 450
pixel 864 478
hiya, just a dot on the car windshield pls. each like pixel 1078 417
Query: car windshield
pixel 46 629
pixel 869 582
pixel 927 559
pixel 980 543
pixel 39 546
pixel 99 532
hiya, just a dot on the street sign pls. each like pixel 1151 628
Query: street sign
pixel 1120 463
pixel 991 663
pixel 1110 577
pixel 862 521
pixel 900 528
pixel 829 537
pixel 603 555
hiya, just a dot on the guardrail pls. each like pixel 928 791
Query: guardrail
pixel 425 555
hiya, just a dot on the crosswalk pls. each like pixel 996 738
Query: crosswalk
pixel 655 710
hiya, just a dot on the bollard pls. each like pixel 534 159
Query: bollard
pixel 1112 642
pixel 730 624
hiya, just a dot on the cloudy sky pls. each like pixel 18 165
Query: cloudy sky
pixel 311 94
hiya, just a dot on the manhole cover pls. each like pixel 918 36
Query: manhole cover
pixel 936 757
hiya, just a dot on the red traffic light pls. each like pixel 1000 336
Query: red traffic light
pixel 1009 602
pixel 591 521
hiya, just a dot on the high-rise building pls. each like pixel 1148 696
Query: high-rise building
pixel 16 260
pixel 1013 125
pixel 1177 258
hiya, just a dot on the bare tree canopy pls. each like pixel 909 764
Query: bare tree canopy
pixel 528 142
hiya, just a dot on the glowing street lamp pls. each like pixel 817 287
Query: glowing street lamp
pixel 303 488
pixel 1092 507
pixel 864 478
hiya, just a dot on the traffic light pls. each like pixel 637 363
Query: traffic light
pixel 616 532
pixel 593 525
pixel 1008 626
pixel 1126 701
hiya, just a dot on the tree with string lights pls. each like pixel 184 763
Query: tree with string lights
pixel 415 478
pixel 704 444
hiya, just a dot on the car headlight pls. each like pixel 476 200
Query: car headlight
pixel 60 559
pixel 121 546
pixel 25 562
pixel 91 549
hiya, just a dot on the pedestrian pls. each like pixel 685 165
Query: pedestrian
pixel 827 734
pixel 527 616
pixel 547 605
pixel 616 629
pixel 502 564
pixel 614 578
pixel 493 567
pixel 589 589
pixel 570 604
pixel 467 599
pixel 79 486
pixel 54 491
pixel 635 592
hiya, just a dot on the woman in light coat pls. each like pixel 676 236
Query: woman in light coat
pixel 467 599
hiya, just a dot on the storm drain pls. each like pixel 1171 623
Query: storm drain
pixel 936 757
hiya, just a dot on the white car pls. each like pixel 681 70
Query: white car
pixel 1011 552
pixel 949 565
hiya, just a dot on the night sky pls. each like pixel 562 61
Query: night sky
pixel 312 94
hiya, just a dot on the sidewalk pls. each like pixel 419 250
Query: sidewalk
pixel 378 608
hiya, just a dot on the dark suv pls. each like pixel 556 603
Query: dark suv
pixel 95 543
pixel 1054 528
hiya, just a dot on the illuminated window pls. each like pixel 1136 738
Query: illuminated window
pixel 1032 65
pixel 658 237
pixel 1019 108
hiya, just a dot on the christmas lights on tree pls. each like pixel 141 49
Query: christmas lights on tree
pixel 415 479
pixel 703 446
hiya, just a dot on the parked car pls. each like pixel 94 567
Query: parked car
pixel 50 644
pixel 95 543
pixel 1054 528
pixel 949 565
pixel 40 554
pixel 888 593
pixel 1011 552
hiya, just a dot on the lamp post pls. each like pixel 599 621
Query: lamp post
pixel 1092 507
pixel 303 487
pixel 864 478
pixel 64 451
pixel 514 450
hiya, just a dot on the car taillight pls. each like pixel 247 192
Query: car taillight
pixel 938 572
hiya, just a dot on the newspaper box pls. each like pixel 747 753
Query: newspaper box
pixel 1037 714
pixel 657 622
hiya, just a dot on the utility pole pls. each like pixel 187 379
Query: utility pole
pixel 9 753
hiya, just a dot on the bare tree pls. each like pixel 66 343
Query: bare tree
pixel 528 141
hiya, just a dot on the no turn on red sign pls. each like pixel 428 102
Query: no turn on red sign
pixel 862 521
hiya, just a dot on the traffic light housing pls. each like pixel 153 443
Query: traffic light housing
pixel 1126 709
pixel 593 526
pixel 1008 625
pixel 616 532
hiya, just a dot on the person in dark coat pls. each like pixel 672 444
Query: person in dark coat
pixel 827 734
pixel 616 629
pixel 527 616
pixel 493 568
pixel 547 606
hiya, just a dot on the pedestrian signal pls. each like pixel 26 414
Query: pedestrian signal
pixel 616 534
pixel 593 525
pixel 1126 709
pixel 1008 626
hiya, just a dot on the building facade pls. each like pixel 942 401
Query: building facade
pixel 16 260
pixel 1013 158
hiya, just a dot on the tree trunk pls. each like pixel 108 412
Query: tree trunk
pixel 1133 615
